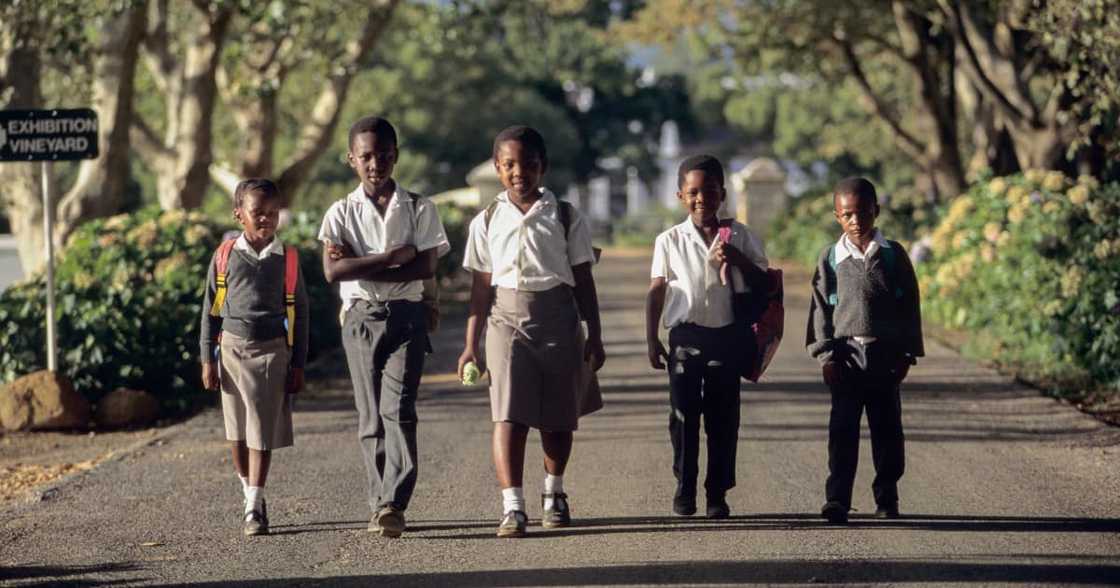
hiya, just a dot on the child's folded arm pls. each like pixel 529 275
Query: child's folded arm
pixel 422 267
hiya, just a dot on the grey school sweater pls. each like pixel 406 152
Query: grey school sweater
pixel 871 301
pixel 254 306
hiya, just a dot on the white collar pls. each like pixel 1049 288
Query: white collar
pixel 359 195
pixel 692 232
pixel 844 246
pixel 547 198
pixel 273 248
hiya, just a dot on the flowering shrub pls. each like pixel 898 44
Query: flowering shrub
pixel 1031 263
pixel 129 296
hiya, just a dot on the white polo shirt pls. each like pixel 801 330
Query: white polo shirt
pixel 694 293
pixel 356 222
pixel 528 251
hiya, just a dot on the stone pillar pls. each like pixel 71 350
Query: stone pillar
pixel 636 197
pixel 761 192
pixel 599 199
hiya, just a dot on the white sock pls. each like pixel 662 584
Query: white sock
pixel 244 484
pixel 254 496
pixel 552 485
pixel 513 499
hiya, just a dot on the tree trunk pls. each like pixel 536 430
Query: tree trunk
pixel 181 159
pixel 993 62
pixel 20 71
pixel 319 129
pixel 101 182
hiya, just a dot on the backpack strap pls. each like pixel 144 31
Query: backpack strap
pixel 488 214
pixel 565 213
pixel 291 276
pixel 221 262
pixel 830 277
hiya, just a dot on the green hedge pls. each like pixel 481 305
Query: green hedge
pixel 1031 265
pixel 809 224
pixel 129 295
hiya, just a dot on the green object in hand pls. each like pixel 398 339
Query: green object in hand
pixel 471 374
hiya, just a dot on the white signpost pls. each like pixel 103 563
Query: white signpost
pixel 46 136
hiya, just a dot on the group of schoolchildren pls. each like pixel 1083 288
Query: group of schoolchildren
pixel 534 296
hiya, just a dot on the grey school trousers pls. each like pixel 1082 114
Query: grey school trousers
pixel 385 346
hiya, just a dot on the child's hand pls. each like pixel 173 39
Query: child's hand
pixel 833 373
pixel 295 380
pixel 727 253
pixel 402 255
pixel 210 379
pixel 901 369
pixel 658 357
pixel 339 251
pixel 593 351
pixel 468 356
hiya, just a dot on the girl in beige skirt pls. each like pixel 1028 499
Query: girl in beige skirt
pixel 530 255
pixel 256 301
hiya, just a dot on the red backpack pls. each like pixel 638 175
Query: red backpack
pixel 291 274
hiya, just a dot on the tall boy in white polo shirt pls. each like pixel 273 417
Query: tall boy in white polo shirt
pixel 380 243
pixel 703 377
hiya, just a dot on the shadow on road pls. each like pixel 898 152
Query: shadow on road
pixel 1095 570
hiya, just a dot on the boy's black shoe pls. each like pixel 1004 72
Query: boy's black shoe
pixel 718 508
pixel 684 505
pixel 558 515
pixel 835 513
pixel 889 511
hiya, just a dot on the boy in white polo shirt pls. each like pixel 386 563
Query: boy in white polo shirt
pixel 380 243
pixel 703 377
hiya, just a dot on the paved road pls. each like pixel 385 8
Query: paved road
pixel 1003 487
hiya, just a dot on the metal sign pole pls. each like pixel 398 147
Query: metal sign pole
pixel 48 234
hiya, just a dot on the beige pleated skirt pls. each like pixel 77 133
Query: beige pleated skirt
pixel 255 405
pixel 534 351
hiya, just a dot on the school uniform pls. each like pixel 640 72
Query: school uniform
pixel 385 335
pixel 254 352
pixel 703 374
pixel 534 337
pixel 865 315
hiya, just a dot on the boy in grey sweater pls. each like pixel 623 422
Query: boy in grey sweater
pixel 256 301
pixel 865 328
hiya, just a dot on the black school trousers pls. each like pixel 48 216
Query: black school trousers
pixel 868 383
pixel 703 382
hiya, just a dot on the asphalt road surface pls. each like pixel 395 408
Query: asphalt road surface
pixel 1003 487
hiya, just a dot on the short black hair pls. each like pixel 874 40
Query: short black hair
pixel 263 186
pixel 705 163
pixel 855 186
pixel 380 127
pixel 527 136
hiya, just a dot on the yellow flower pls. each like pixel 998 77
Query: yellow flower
pixel 1088 181
pixel 107 240
pixel 997 186
pixel 1051 208
pixel 197 216
pixel 1098 213
pixel 1053 181
pixel 991 231
pixel 1035 176
pixel 1004 239
pixel 1079 194
pixel 960 240
pixel 1018 195
pixel 116 223
pixel 987 252
pixel 196 233
pixel 1016 214
pixel 171 218
pixel 144 235
pixel 1071 281
pixel 961 316
pixel 960 207
pixel 1102 250
pixel 83 280
pixel 121 278
pixel 170 265
pixel 1053 307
